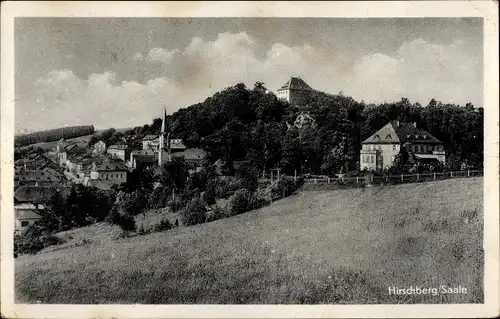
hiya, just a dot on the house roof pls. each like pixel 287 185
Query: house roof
pixel 145 159
pixel 398 132
pixel 295 83
pixel 23 214
pixel 143 152
pixel 111 166
pixel 34 194
pixel 177 143
pixel 191 154
pixel 46 175
pixel 150 137
pixel 118 147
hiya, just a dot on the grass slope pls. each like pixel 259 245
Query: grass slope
pixel 345 246
pixel 48 145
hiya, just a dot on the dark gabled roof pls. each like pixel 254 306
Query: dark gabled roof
pixel 38 176
pixel 191 154
pixel 34 194
pixel 398 132
pixel 23 214
pixel 150 137
pixel 408 132
pixel 177 143
pixel 295 83
pixel 111 166
pixel 75 151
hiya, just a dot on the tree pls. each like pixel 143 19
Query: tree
pixel 194 212
pixel 174 174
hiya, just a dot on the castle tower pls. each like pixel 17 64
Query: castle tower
pixel 294 91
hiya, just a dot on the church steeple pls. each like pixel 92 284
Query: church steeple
pixel 161 152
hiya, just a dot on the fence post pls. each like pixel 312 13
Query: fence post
pixel 417 177
pixel 357 179
pixel 386 178
pixel 328 180
pixel 468 173
pixel 401 178
pixel 451 174
pixel 434 176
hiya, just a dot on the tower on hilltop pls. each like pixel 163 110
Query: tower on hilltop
pixel 294 91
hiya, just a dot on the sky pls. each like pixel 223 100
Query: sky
pixel 121 72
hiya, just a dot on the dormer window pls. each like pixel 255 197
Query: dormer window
pixel 408 136
pixel 388 137
pixel 377 137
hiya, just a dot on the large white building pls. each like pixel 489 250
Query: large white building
pixel 379 151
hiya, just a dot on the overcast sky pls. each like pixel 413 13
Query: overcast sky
pixel 113 72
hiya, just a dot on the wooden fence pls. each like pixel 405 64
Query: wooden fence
pixel 393 179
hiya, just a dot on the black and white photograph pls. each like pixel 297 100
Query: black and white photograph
pixel 249 160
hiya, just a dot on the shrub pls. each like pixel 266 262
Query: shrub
pixel 239 202
pixel 286 186
pixel 209 195
pixel 194 212
pixel 163 225
pixel 159 197
pixel 214 214
pixel 123 220
pixel 33 240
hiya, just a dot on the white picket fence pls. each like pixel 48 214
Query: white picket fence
pixel 394 179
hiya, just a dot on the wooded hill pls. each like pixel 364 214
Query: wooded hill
pixel 239 123
pixel 53 135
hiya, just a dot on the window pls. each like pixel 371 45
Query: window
pixel 388 137
pixel 394 147
pixel 25 223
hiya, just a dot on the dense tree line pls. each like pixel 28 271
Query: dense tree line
pixel 252 124
pixel 53 135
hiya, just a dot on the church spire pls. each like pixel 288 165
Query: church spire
pixel 161 160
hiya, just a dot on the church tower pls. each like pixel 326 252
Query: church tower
pixel 163 156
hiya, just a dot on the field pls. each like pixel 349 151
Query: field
pixel 345 246
pixel 47 145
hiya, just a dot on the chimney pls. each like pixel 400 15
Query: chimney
pixel 415 124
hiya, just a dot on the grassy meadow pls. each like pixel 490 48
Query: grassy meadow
pixel 344 246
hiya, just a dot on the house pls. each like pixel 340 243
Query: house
pixel 379 151
pixel 25 217
pixel 295 91
pixel 143 158
pixel 33 196
pixel 99 148
pixel 150 142
pixel 108 173
pixel 37 177
pixel 29 201
pixel 121 152
pixel 176 145
pixel 192 156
